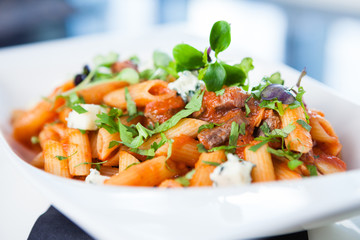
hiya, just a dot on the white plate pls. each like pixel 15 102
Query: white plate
pixel 107 212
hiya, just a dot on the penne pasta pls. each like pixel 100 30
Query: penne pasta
pixel 79 153
pixel 38 161
pixel 96 93
pixel 186 126
pixel 299 139
pixel 53 163
pixel 282 171
pixel 54 132
pixel 149 173
pixel 323 132
pixel 141 93
pixel 184 150
pixel 104 138
pixel 170 183
pixel 203 170
pixel 126 160
pixel 264 169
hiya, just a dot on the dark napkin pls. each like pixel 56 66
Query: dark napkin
pixel 55 226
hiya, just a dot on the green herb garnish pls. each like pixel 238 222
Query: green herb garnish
pixel 304 124
pixel 64 157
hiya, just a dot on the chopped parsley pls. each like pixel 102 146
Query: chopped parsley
pixel 34 140
pixel 130 165
pixel 185 180
pixel 304 124
pixel 64 157
pixel 96 164
pixel 211 163
pixel 312 169
pixel 208 126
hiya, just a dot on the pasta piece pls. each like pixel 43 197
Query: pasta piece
pixel 142 94
pixel 203 170
pixel 93 143
pixel 186 126
pixel 149 173
pixel 126 160
pixel 103 141
pixel 323 132
pixel 63 115
pixel 264 169
pixel 52 150
pixel 184 150
pixel 79 153
pixel 38 161
pixel 31 122
pixel 327 164
pixel 108 171
pixel 54 132
pixel 170 183
pixel 299 139
pixel 96 93
pixel 282 171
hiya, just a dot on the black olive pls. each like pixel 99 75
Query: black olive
pixel 86 70
pixel 79 78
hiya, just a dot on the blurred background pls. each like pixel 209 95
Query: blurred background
pixel 321 35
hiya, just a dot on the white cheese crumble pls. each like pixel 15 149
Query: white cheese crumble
pixel 84 121
pixel 186 85
pixel 95 178
pixel 234 172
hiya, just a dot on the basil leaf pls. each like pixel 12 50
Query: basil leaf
pixel 228 148
pixel 201 148
pixel 133 164
pixel 145 152
pixel 214 77
pixel 129 75
pixel 193 106
pixel 211 163
pixel 187 57
pixel 64 157
pixel 34 140
pixel 304 124
pixel 234 75
pixel 312 169
pixel 130 104
pixel 220 36
pixel 276 78
pixel 97 164
pixel 259 145
pixel 246 65
pixel 79 109
pixel 113 144
pixel 234 134
pixel 161 59
pixel 247 109
pixel 208 126
pixel 106 60
pixel 220 92
pixel 242 129
pixel 294 164
pixel 185 180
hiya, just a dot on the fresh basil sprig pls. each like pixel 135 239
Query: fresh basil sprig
pixel 220 36
pixel 215 74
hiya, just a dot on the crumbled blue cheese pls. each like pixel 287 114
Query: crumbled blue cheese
pixel 95 177
pixel 85 121
pixel 186 85
pixel 234 172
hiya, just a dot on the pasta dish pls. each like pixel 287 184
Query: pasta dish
pixel 190 120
